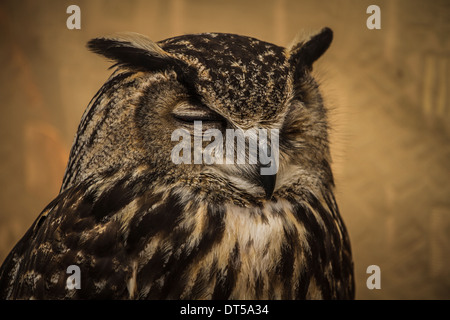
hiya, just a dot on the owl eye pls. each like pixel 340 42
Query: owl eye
pixel 187 112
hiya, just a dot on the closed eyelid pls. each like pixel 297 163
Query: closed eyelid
pixel 190 112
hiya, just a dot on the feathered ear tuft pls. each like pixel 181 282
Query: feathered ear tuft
pixel 306 52
pixel 132 50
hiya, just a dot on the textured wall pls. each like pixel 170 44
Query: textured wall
pixel 387 90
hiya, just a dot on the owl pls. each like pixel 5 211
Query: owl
pixel 138 225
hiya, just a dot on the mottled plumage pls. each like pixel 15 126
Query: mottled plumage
pixel 141 227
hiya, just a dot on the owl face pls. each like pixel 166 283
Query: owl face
pixel 161 92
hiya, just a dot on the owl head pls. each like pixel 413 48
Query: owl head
pixel 183 97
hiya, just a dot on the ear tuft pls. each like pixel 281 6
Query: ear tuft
pixel 306 52
pixel 133 51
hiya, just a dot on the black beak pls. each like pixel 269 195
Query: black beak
pixel 268 183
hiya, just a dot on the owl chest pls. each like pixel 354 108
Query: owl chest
pixel 242 255
pixel 261 254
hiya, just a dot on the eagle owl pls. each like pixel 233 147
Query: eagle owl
pixel 140 226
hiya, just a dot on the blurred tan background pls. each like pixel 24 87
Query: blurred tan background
pixel 388 91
